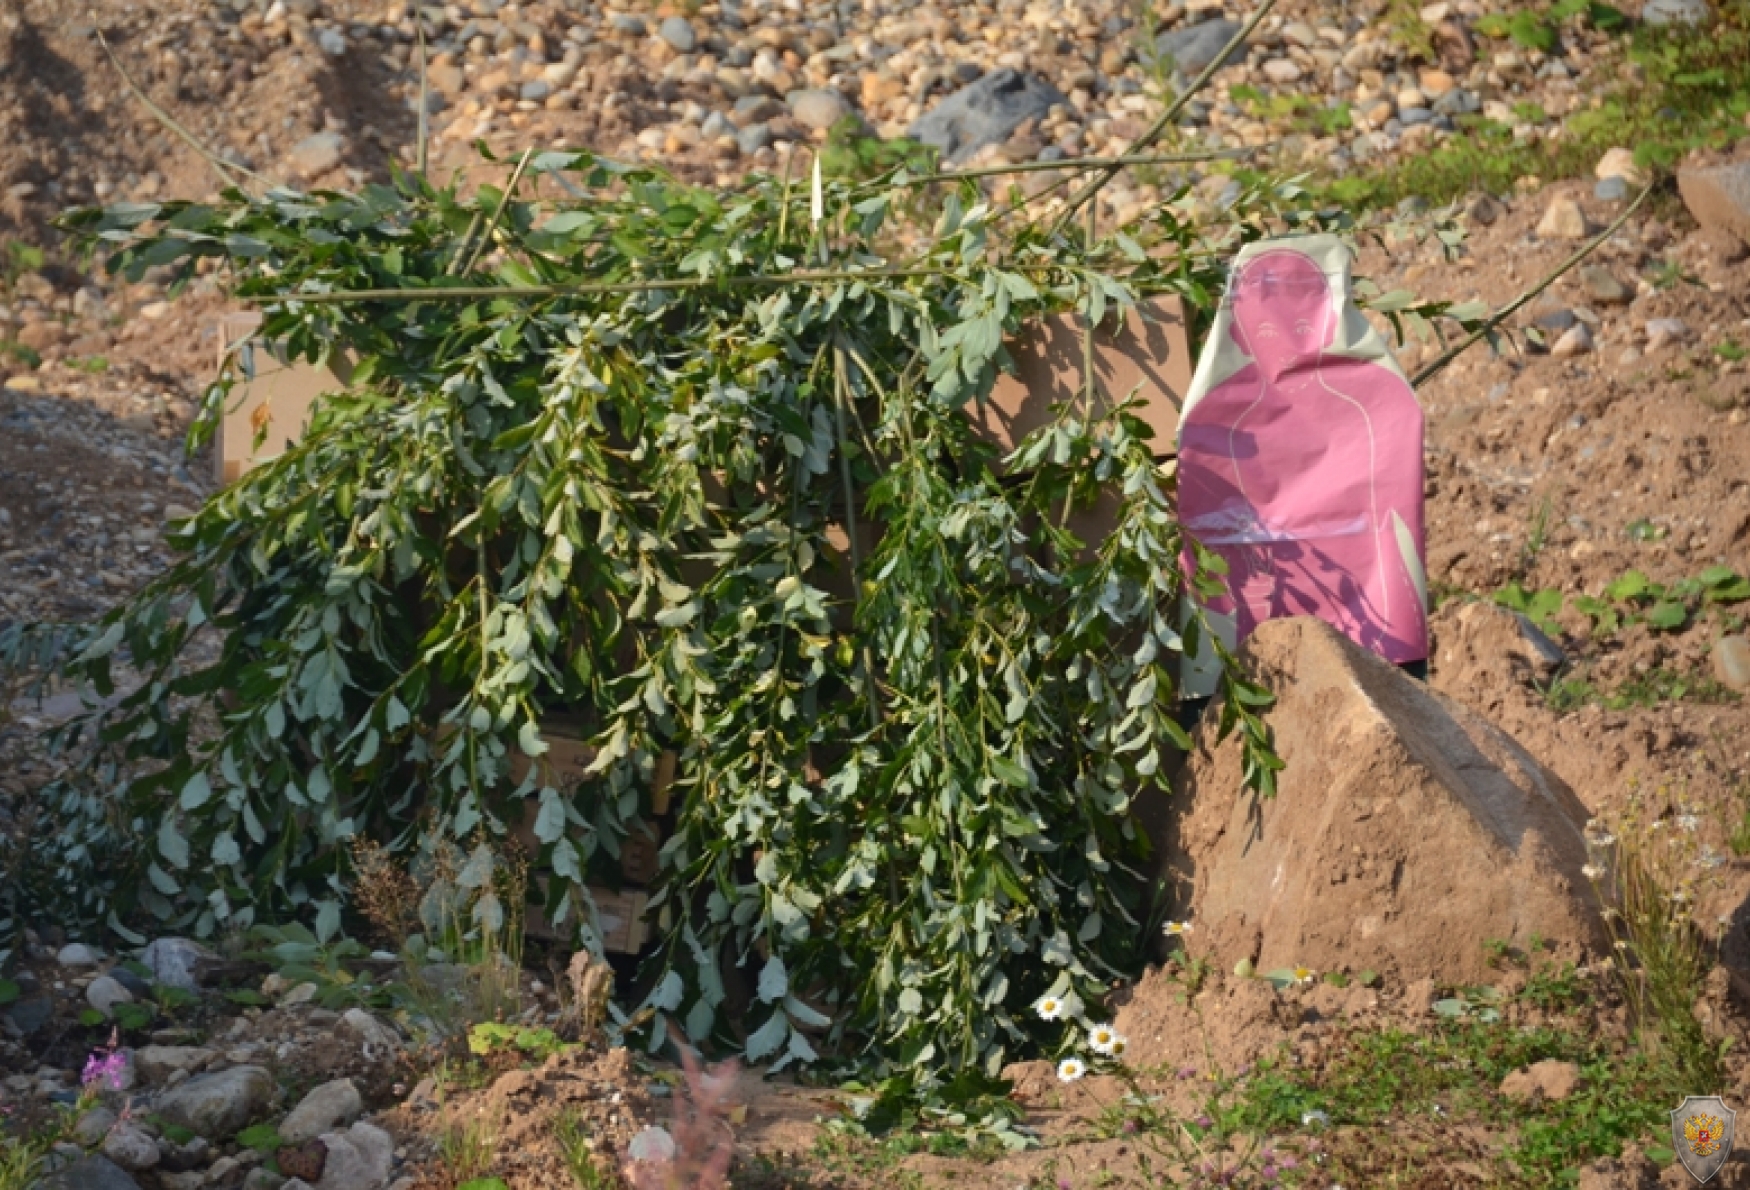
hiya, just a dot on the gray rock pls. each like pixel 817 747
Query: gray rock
pixel 1675 12
pixel 678 32
pixel 76 954
pixel 93 1126
pixel 623 22
pixel 129 1146
pixel 535 90
pixel 1483 209
pixel 1662 332
pixel 714 125
pixel 1576 340
pixel 753 138
pixel 1610 189
pixel 373 1032
pixel 157 1063
pixel 27 1016
pixel 984 113
pixel 328 1106
pixel 1732 661
pixel 174 962
pixel 1555 320
pixel 105 992
pixel 818 107
pixel 360 1158
pixel 1719 197
pixel 261 1178
pixel 332 41
pixel 1564 220
pixel 1192 49
pixel 316 155
pixel 1414 115
pixel 217 1105
pixel 91 1173
pixel 754 109
pixel 1602 286
pixel 142 989
pixel 182 1158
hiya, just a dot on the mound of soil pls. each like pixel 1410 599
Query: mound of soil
pixel 1406 833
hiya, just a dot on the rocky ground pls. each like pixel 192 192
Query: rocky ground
pixel 1619 446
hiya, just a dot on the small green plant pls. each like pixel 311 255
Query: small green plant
pixel 578 1150
pixel 18 259
pixel 467 1147
pixel 1540 606
pixel 1730 350
pixel 538 1043
pixel 263 1138
pixel 1668 274
pixel 850 152
pixel 1481 1003
pixel 1649 876
pixel 18 351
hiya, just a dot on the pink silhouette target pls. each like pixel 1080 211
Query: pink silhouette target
pixel 1301 465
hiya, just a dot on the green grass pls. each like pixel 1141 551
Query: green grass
pixel 1695 92
pixel 1451 1072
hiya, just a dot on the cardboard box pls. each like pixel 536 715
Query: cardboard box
pixel 278 399
pixel 1151 350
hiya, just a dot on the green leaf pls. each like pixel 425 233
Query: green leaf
pixel 9 991
pixel 171 845
pixel 1667 615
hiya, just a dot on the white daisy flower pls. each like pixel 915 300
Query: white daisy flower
pixel 1100 1038
pixel 1050 1009
pixel 1120 1043
pixel 1176 929
pixel 1070 1069
pixel 1303 974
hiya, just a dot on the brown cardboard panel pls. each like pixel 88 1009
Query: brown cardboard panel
pixel 1151 350
pixel 624 919
pixel 279 398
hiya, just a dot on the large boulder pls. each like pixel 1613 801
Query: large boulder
pixel 984 113
pixel 91 1173
pixel 217 1105
pixel 1406 832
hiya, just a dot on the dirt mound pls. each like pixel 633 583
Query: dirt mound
pixel 1408 831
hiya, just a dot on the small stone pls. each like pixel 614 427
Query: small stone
pixel 130 1147
pixel 332 41
pixel 153 311
pixel 93 1126
pixel 174 961
pixel 91 1173
pixel 626 23
pixel 1576 340
pixel 1675 12
pixel 447 79
pixel 374 1033
pixel 1662 332
pixel 1558 319
pixel 76 954
pixel 303 993
pixel 1435 83
pixel 358 1159
pixel 1282 71
pixel 1483 210
pixel 678 32
pixel 1193 48
pixel 262 1178
pixel 326 1107
pixel 217 1105
pixel 654 1144
pixel 1620 163
pixel 316 155
pixel 1602 286
pixel 304 1161
pixel 31 1014
pixel 1732 661
pixel 182 1158
pixel 986 112
pixel 1610 190
pixel 1563 220
pixel 141 988
pixel 818 108
pixel 105 992
pixel 157 1063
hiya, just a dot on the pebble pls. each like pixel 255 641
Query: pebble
pixel 1619 163
pixel 1576 340
pixel 1193 48
pixel 1563 220
pixel 173 961
pixel 1610 190
pixel 105 992
pixel 1282 71
pixel 817 107
pixel 129 1146
pixel 1675 12
pixel 678 32
pixel 1732 661
pixel 1663 332
pixel 1602 286
pixel 76 954
pixel 316 155
pixel 332 1104
pixel 217 1105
